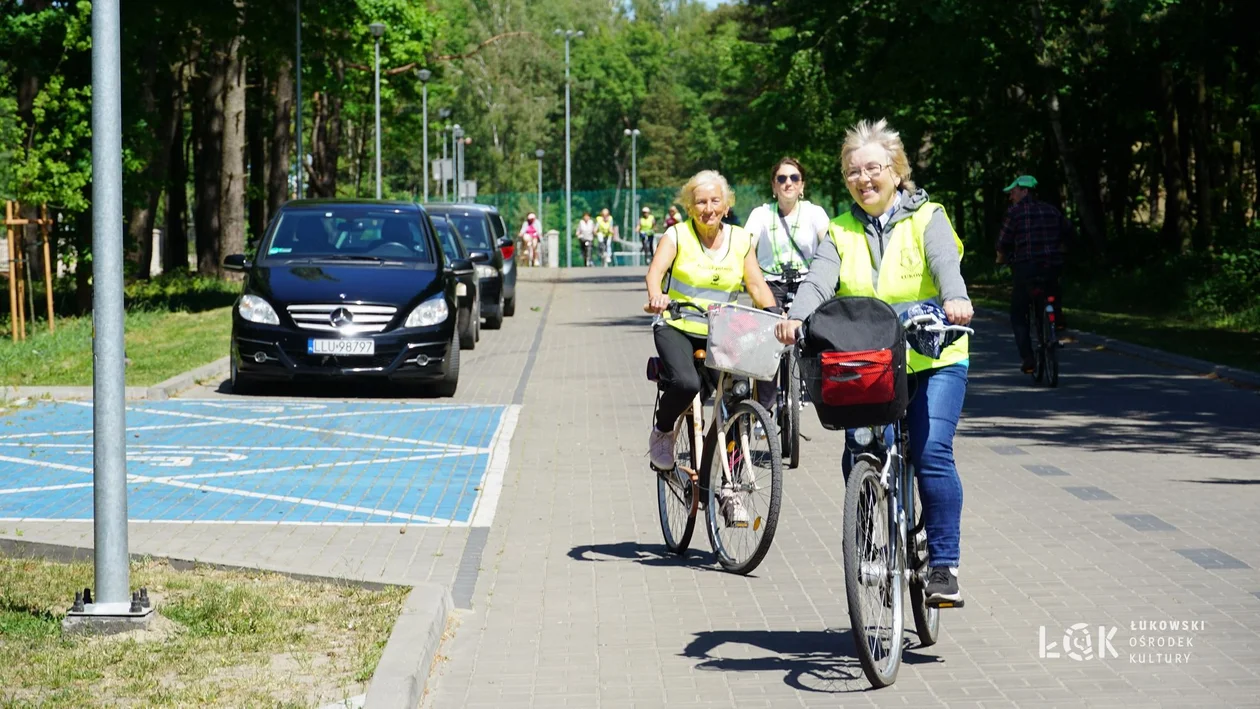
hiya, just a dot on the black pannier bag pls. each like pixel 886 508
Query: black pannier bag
pixel 854 363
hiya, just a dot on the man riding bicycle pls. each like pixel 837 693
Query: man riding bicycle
pixel 896 245
pixel 1032 242
pixel 785 236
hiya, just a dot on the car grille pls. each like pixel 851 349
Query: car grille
pixel 362 318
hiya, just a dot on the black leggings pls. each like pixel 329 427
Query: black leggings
pixel 678 373
pixel 766 391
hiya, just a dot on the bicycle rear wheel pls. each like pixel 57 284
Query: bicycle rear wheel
pixel 677 494
pixel 790 410
pixel 873 575
pixel 756 486
pixel 1051 349
pixel 1039 349
pixel 927 619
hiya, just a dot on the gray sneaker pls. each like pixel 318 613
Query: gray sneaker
pixel 733 511
pixel 661 449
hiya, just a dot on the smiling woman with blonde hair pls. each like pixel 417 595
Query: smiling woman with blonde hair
pixel 707 261
pixel 896 245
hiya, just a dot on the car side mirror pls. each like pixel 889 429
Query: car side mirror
pixel 505 241
pixel 459 265
pixel 236 262
pixel 479 257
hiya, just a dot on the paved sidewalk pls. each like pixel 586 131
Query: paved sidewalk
pixel 1124 499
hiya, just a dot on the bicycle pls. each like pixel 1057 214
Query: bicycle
pixel 788 412
pixel 756 475
pixel 881 556
pixel 1046 350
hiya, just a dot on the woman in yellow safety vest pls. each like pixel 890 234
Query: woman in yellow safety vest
pixel 702 261
pixel 896 245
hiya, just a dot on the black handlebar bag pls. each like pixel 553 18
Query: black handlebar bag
pixel 854 362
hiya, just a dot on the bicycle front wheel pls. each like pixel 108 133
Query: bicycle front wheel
pixel 677 496
pixel 743 510
pixel 873 575
pixel 1050 345
pixel 790 410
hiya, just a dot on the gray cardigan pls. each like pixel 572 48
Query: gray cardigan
pixel 941 252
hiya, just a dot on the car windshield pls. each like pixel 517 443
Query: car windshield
pixel 473 228
pixel 348 233
pixel 446 234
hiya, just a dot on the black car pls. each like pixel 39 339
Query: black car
pixel 492 250
pixel 468 287
pixel 342 290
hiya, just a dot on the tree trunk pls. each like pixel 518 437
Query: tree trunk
pixel 254 101
pixel 232 177
pixel 1202 162
pixel 1085 203
pixel 1176 229
pixel 139 241
pixel 83 261
pixel 280 144
pixel 326 143
pixel 175 238
pixel 208 158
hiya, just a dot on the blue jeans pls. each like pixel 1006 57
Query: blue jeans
pixel 936 400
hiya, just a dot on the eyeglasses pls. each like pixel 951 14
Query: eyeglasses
pixel 783 179
pixel 873 171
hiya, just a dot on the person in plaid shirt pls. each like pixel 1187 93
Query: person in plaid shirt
pixel 1033 242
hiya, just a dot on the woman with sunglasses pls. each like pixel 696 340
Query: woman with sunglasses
pixel 785 234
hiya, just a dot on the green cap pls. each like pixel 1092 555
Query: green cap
pixel 1022 181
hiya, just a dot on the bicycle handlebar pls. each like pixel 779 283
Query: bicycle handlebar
pixel 675 308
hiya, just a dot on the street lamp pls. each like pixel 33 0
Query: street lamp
pixel 568 155
pixel 457 142
pixel 539 153
pixel 444 113
pixel 378 29
pixel 634 174
pixel 463 172
pixel 423 75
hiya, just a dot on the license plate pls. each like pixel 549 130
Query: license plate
pixel 351 348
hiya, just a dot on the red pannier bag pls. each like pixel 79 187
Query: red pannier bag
pixel 854 363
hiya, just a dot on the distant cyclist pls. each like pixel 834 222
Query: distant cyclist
pixel 585 233
pixel 1032 242
pixel 530 235
pixel 647 231
pixel 701 260
pixel 604 230
pixel 786 233
pixel 895 245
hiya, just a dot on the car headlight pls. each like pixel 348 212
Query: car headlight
pixel 430 312
pixel 255 309
pixel 484 271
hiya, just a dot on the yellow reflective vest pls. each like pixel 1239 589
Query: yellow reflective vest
pixel 903 275
pixel 697 278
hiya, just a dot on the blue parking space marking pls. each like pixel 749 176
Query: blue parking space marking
pixel 289 462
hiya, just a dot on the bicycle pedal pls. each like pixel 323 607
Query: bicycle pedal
pixel 737 525
pixel 944 604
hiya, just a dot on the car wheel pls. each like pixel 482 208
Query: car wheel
pixel 450 379
pixel 468 331
pixel 509 306
pixel 477 322
pixel 242 386
pixel 494 320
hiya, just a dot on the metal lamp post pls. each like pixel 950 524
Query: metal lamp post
pixel 568 155
pixel 444 113
pixel 463 171
pixel 634 170
pixel 423 75
pixel 457 151
pixel 378 29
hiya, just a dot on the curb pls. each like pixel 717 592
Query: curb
pixel 402 674
pixel 1233 375
pixel 159 391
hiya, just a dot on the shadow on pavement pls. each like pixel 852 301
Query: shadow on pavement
pixel 338 390
pixel 1106 401
pixel 645 554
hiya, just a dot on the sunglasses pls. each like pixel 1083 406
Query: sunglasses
pixel 783 179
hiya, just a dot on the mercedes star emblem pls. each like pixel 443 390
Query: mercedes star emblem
pixel 341 318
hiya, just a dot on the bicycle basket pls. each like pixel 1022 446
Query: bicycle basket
pixel 742 341
pixel 854 363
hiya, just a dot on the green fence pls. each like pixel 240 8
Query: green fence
pixel 515 205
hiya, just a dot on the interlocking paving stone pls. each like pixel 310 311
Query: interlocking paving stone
pixel 1008 450
pixel 1146 523
pixel 1045 470
pixel 1091 493
pixel 1210 558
